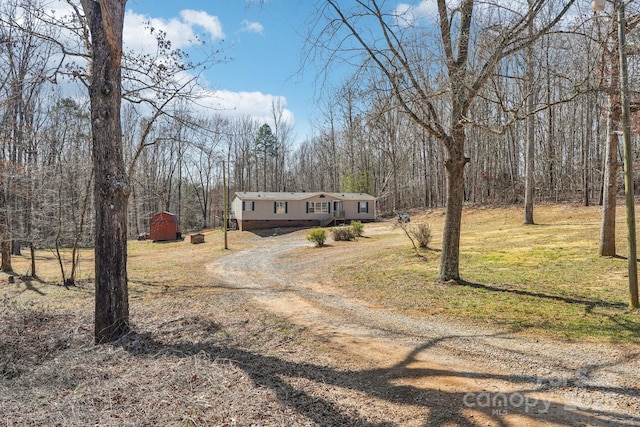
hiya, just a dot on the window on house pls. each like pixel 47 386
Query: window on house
pixel 363 207
pixel 318 207
pixel 280 207
pixel 248 206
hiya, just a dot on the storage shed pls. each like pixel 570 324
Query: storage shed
pixel 164 226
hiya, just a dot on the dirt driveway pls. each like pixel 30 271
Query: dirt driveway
pixel 424 371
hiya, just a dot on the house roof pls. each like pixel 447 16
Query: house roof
pixel 284 196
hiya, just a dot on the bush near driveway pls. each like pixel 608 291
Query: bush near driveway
pixel 342 234
pixel 357 229
pixel 317 236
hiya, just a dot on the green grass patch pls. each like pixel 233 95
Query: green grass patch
pixel 545 280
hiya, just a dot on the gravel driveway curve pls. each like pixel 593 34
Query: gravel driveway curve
pixel 478 376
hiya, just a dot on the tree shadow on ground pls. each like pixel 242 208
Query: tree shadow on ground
pixel 394 385
pixel 141 288
pixel 27 281
pixel 623 257
pixel 589 304
pixel 630 325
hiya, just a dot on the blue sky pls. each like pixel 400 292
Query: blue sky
pixel 264 40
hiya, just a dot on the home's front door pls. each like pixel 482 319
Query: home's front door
pixel 337 209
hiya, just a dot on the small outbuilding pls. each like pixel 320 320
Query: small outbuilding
pixel 164 226
pixel 197 238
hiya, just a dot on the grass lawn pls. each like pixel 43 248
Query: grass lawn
pixel 544 279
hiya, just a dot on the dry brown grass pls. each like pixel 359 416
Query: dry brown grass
pixel 198 356
pixel 182 370
pixel 176 370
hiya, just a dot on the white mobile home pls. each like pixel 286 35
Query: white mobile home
pixel 256 210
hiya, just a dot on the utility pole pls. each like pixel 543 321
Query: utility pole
pixel 628 159
pixel 225 216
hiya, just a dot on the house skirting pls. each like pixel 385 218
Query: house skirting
pixel 259 224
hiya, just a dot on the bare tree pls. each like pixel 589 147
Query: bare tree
pixel 611 78
pixel 24 68
pixel 105 20
pixel 65 184
pixel 202 161
pixel 400 51
pixel 529 153
pixel 241 135
pixel 282 130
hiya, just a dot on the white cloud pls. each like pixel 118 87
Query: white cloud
pixel 58 9
pixel 252 27
pixel 181 32
pixel 209 22
pixel 256 105
pixel 408 15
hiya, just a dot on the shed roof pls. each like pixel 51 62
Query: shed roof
pixel 261 195
pixel 164 214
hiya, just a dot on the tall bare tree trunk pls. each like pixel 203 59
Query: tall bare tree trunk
pixel 529 174
pixel 450 258
pixel 105 19
pixel 5 233
pixel 607 243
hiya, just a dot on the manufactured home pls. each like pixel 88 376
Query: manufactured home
pixel 258 210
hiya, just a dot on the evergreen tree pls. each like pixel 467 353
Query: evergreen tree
pixel 265 145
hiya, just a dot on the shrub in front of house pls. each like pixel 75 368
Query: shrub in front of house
pixel 317 236
pixel 357 229
pixel 342 233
